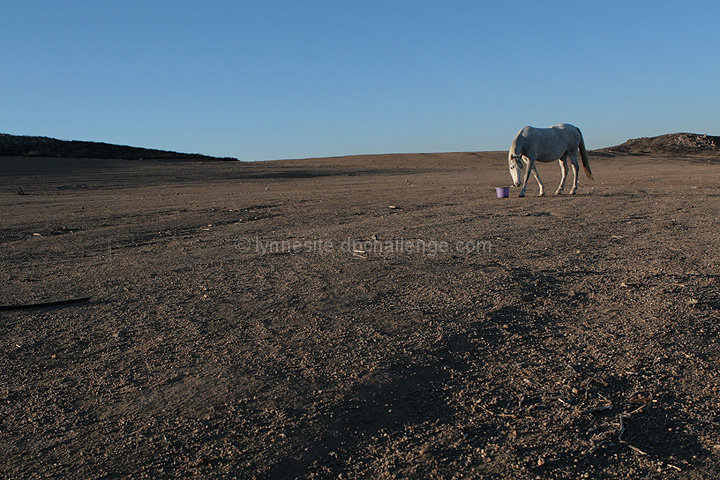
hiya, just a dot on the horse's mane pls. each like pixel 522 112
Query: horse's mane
pixel 518 144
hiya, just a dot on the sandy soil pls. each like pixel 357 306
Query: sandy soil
pixel 232 329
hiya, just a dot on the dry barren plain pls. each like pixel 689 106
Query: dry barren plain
pixel 359 317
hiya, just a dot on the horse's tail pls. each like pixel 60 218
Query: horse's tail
pixel 583 154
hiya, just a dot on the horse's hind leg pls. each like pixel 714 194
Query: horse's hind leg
pixel 540 184
pixel 575 167
pixel 563 174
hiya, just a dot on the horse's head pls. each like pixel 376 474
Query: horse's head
pixel 516 166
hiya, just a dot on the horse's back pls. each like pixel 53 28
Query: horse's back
pixel 565 126
pixel 559 130
pixel 572 131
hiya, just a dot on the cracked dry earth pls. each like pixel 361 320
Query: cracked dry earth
pixel 260 321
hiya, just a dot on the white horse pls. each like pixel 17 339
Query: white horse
pixel 558 142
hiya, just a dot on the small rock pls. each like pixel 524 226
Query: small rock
pixel 623 285
pixel 540 461
pixel 693 301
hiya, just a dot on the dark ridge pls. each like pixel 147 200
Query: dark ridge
pixel 24 146
pixel 673 143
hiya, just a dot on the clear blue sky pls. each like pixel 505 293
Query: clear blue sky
pixel 270 79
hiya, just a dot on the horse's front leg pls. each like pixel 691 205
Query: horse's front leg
pixel 526 176
pixel 563 174
pixel 540 184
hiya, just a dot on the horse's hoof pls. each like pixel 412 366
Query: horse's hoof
pixel 572 193
pixel 521 195
pixel 542 194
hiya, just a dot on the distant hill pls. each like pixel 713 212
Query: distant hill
pixel 673 143
pixel 24 146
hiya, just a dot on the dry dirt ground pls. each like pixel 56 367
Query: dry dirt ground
pixel 232 330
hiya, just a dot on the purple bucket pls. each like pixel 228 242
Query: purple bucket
pixel 502 192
